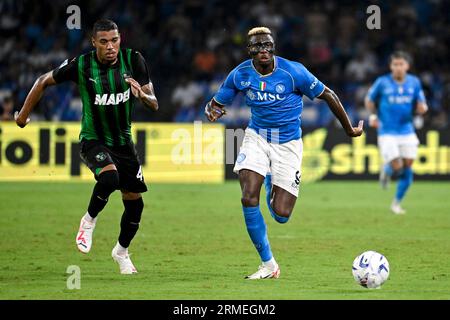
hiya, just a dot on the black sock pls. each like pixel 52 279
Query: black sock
pixel 129 224
pixel 99 199
pixel 107 183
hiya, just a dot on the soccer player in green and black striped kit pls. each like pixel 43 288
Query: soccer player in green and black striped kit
pixel 107 78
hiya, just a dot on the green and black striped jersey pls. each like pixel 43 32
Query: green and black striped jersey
pixel 106 97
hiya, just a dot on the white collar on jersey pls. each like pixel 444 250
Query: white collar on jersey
pixel 275 65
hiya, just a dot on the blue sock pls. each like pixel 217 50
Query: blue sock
pixel 257 231
pixel 388 169
pixel 404 181
pixel 268 186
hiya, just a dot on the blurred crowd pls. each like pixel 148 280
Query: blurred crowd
pixel 191 46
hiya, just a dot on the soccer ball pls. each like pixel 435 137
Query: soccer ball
pixel 370 269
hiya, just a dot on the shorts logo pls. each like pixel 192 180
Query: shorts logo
pixel 241 157
pixel 280 88
pixel 100 157
pixel 296 182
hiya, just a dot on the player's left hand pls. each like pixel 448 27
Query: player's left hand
pixel 136 88
pixel 357 131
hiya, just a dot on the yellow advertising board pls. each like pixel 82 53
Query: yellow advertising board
pixel 169 152
pixel 327 154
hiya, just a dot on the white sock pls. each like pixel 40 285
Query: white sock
pixel 272 264
pixel 88 218
pixel 121 251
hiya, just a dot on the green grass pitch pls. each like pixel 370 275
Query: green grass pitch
pixel 193 244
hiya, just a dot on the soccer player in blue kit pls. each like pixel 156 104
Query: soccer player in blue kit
pixel 272 143
pixel 398 96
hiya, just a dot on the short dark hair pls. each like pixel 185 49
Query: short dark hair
pixel 104 25
pixel 400 55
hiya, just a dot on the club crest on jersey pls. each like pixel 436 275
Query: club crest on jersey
pixel 112 99
pixel 279 88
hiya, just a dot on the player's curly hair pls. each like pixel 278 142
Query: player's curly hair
pixel 259 30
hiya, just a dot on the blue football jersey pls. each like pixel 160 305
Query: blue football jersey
pixel 396 103
pixel 275 99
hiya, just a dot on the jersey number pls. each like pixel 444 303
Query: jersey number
pixel 139 174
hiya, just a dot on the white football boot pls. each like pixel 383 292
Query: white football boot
pixel 84 235
pixel 265 272
pixel 124 261
pixel 396 208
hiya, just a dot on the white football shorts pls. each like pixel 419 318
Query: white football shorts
pixel 283 161
pixel 398 146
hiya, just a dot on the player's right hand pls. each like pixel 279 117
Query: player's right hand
pixel 357 131
pixel 20 121
pixel 213 112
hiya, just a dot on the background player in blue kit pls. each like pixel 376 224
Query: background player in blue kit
pixel 272 144
pixel 397 95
